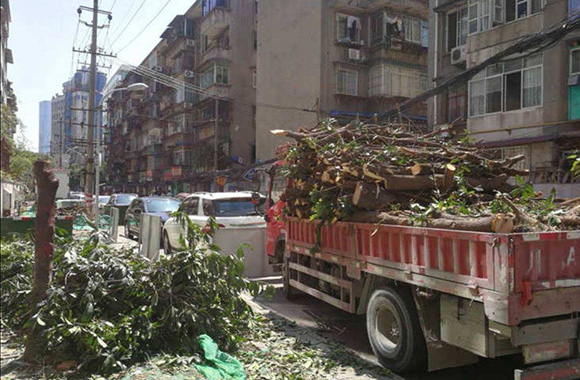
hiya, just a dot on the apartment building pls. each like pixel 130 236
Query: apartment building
pixel 44 126
pixel 57 130
pixel 198 114
pixel 70 118
pixel 337 58
pixel 6 96
pixel 527 104
pixel 5 52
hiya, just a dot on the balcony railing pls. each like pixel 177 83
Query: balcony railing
pixel 215 52
pixel 217 20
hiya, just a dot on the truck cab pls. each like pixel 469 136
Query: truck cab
pixel 274 183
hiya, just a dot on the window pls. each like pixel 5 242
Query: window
pixel 347 82
pixel 507 86
pixel 217 74
pixel 191 206
pixel 209 5
pixel 479 15
pixel 575 61
pixel 377 28
pixel 456 102
pixel 424 82
pixel 221 74
pixel 573 6
pixel 517 9
pixel 457 28
pixel 189 28
pixel 412 29
pixel 179 95
pixel 254 78
pixel 388 80
pixel 512 151
pixel 348 28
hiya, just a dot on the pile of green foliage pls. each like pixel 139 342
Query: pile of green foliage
pixel 107 308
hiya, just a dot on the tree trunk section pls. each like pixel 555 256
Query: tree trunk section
pixel 47 185
pixel 371 197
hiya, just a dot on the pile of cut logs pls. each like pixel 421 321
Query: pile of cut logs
pixel 389 174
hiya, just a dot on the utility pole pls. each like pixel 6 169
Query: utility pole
pixel 90 181
pixel 90 185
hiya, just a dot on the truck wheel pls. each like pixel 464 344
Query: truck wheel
pixel 394 331
pixel 289 292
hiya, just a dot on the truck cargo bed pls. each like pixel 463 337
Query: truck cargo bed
pixel 517 276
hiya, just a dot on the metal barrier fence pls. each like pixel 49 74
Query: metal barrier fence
pixel 150 236
pixel 113 224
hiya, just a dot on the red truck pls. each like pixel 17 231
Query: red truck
pixel 437 298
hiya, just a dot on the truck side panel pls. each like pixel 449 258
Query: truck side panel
pixel 516 276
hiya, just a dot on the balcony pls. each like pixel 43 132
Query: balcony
pixel 216 52
pixel 217 20
pixel 221 90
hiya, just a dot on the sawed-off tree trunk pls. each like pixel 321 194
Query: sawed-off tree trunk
pixel 47 185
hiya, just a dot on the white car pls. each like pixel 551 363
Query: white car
pixel 239 223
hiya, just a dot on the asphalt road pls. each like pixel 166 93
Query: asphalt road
pixel 350 330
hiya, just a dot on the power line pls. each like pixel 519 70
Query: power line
pixel 124 17
pixel 74 42
pixel 113 6
pixel 178 85
pixel 145 27
pixel 129 22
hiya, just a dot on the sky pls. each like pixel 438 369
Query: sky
pixel 41 39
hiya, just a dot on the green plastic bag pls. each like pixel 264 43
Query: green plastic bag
pixel 218 365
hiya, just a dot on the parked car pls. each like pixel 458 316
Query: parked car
pixel 122 202
pixel 182 196
pixel 69 203
pixel 76 195
pixel 239 220
pixel 103 200
pixel 160 206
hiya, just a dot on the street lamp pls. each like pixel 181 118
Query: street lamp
pixel 135 87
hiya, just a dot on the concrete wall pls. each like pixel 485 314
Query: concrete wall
pixel 243 57
pixel 289 68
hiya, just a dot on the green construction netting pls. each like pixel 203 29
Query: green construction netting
pixel 218 365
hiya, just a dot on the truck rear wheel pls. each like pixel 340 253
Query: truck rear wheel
pixel 394 331
pixel 289 291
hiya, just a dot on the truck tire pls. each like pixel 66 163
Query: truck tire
pixel 394 330
pixel 289 291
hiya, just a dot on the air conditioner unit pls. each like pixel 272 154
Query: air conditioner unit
pixel 189 74
pixel 354 54
pixel 158 68
pixel 458 55
pixel 190 42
